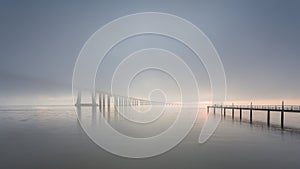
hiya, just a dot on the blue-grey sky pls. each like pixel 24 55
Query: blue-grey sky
pixel 258 43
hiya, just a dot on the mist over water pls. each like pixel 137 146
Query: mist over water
pixel 148 53
pixel 51 137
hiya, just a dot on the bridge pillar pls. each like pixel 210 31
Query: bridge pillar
pixel 103 101
pixel 115 100
pixel 78 102
pixel 94 99
pixel 93 115
pixel 100 101
pixel 108 103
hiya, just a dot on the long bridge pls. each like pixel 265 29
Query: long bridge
pixel 106 99
pixel 268 108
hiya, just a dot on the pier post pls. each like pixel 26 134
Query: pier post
pixel 240 113
pixel 224 111
pixel 268 118
pixel 282 115
pixel 232 111
pixel 251 112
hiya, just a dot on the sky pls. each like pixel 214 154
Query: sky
pixel 257 41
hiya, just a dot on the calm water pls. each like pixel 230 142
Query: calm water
pixel 51 137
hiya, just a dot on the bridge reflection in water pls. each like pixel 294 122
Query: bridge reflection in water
pixel 113 107
pixel 157 118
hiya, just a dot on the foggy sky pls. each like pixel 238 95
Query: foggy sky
pixel 257 41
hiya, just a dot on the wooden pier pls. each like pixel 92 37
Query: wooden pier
pixel 268 108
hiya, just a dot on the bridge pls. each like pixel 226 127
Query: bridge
pixel 268 108
pixel 106 99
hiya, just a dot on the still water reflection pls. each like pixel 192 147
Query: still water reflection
pixel 51 137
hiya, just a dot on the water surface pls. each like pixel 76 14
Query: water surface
pixel 51 137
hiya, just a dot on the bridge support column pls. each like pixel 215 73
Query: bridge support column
pixel 108 103
pixel 78 102
pixel 100 101
pixel 103 101
pixel 93 99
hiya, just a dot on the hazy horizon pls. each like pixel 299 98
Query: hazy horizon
pixel 257 41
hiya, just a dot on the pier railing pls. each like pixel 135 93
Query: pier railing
pixel 286 108
pixel 268 108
